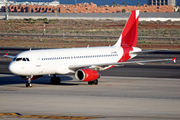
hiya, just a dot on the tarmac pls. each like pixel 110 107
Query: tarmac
pixel 125 98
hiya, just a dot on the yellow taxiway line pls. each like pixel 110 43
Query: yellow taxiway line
pixel 17 115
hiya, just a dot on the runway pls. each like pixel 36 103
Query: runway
pixel 131 92
pixel 125 98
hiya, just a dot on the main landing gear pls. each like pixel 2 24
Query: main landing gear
pixel 28 84
pixel 95 82
pixel 55 80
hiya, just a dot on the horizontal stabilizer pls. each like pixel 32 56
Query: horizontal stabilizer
pixel 148 51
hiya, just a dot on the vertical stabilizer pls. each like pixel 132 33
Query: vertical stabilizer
pixel 128 36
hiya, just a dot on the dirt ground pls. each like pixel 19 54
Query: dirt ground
pixel 87 27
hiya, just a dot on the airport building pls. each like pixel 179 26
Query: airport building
pixel 161 2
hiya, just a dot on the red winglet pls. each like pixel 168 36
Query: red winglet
pixel 7 54
pixel 174 59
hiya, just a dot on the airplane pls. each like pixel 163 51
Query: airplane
pixel 86 62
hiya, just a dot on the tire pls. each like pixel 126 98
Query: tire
pixel 55 80
pixel 58 80
pixel 95 82
pixel 28 85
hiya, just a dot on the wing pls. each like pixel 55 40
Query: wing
pixel 105 66
pixel 8 56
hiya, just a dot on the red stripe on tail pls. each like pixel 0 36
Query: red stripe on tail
pixel 129 34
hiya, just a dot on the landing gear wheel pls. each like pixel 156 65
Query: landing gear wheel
pixel 55 80
pixel 28 85
pixel 95 82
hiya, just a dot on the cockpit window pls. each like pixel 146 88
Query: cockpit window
pixel 19 59
pixel 27 59
pixel 24 59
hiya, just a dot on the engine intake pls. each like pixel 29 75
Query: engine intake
pixel 87 75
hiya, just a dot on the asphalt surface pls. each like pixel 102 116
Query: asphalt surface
pixel 151 93
pixel 124 98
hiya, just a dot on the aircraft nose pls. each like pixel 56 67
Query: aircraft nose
pixel 13 68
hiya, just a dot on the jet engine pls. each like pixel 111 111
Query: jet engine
pixel 87 75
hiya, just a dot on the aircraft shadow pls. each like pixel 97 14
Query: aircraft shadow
pixel 8 79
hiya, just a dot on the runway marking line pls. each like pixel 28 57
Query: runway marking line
pixel 17 115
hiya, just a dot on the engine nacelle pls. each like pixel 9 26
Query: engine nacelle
pixel 32 78
pixel 87 75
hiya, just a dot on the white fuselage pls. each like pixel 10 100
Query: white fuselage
pixel 57 61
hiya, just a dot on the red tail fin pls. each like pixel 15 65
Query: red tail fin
pixel 129 35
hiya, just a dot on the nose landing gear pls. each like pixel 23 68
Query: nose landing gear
pixel 29 82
